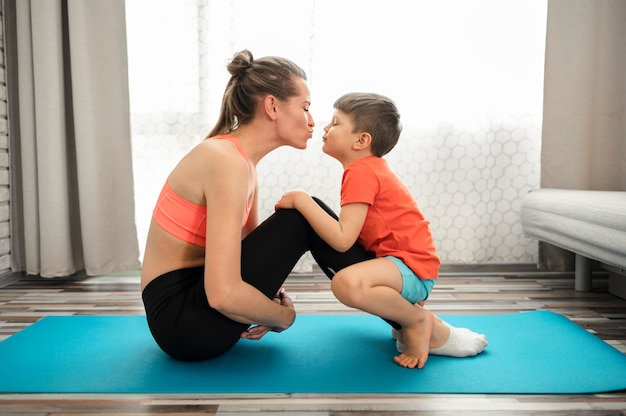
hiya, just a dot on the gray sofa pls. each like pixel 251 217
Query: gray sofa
pixel 591 224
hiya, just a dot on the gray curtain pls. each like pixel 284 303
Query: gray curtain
pixel 72 206
pixel 584 118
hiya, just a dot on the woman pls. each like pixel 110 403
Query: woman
pixel 209 271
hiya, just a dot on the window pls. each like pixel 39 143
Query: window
pixel 467 76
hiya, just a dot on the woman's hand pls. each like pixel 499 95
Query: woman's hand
pixel 284 300
pixel 257 332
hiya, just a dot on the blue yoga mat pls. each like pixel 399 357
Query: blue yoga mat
pixel 531 352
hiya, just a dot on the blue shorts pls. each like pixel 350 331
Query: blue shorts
pixel 414 289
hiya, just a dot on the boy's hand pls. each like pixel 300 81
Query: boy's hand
pixel 288 200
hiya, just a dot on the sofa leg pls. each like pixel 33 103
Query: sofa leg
pixel 582 277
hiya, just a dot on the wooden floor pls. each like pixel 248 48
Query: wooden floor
pixel 460 290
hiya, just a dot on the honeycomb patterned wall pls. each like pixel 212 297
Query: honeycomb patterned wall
pixel 468 180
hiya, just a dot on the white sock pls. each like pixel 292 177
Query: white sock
pixel 461 343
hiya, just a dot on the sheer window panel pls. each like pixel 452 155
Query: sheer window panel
pixel 466 75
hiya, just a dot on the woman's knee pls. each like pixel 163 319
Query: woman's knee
pixel 290 216
pixel 285 223
pixel 325 207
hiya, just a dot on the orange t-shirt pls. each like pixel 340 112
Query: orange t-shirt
pixel 394 226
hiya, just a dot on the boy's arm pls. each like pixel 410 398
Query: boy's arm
pixel 339 234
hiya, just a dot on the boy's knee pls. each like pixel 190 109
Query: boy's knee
pixel 345 287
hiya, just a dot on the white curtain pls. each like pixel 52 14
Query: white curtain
pixel 467 76
pixel 584 119
pixel 72 206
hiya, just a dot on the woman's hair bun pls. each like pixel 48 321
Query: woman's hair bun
pixel 240 63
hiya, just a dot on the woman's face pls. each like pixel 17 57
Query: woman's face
pixel 295 123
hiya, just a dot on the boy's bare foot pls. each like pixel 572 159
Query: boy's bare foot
pixel 417 341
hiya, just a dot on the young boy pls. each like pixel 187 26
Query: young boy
pixel 379 212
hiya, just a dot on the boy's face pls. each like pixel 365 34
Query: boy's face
pixel 339 136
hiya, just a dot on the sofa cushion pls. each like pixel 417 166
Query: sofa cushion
pixel 590 223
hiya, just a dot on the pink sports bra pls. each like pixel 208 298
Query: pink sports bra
pixel 187 220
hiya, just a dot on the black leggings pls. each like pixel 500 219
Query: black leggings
pixel 178 313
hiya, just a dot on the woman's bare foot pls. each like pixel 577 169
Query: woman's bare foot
pixel 417 340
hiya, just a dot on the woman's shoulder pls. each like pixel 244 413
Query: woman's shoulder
pixel 215 145
pixel 212 152
pixel 208 159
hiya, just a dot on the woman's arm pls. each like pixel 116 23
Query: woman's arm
pixel 226 192
pixel 339 234
pixel 253 218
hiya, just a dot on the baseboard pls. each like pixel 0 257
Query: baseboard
pixel 488 268
pixel 9 278
pixel 476 268
pixel 617 280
